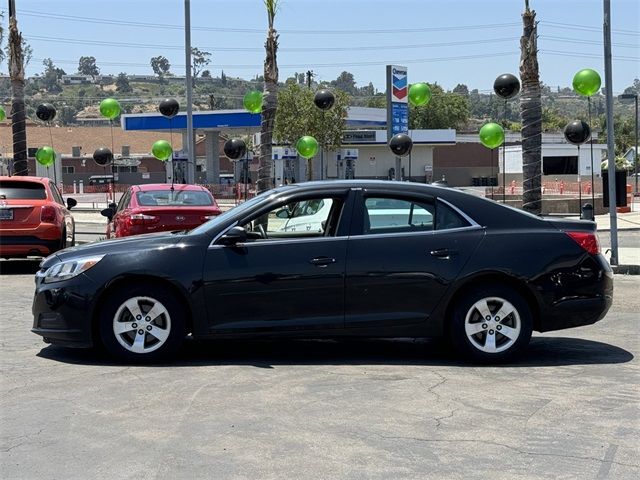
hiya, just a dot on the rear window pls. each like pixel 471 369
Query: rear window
pixel 18 190
pixel 183 198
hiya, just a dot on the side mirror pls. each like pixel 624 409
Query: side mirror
pixel 233 236
pixel 107 212
pixel 71 202
pixel 113 206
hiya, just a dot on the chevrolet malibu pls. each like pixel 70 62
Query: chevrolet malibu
pixel 445 264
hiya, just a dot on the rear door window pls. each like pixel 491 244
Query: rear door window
pixel 20 190
pixel 56 194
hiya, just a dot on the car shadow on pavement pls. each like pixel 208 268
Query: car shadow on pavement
pixel 542 352
pixel 19 267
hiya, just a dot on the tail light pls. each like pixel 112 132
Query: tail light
pixel 48 214
pixel 142 219
pixel 588 241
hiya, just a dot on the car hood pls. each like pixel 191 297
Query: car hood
pixel 118 245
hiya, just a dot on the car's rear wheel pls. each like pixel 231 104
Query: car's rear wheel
pixel 490 324
pixel 144 323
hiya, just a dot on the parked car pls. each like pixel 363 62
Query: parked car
pixel 33 218
pixel 160 207
pixel 453 264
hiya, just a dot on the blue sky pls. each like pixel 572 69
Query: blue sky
pixel 448 42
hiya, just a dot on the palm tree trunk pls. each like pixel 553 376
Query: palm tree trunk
pixel 270 102
pixel 531 112
pixel 16 73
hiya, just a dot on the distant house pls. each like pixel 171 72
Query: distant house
pixel 77 79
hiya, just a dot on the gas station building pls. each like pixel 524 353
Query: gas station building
pixel 364 153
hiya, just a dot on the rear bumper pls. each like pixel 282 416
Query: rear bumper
pixel 23 245
pixel 586 301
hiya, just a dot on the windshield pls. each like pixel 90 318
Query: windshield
pixel 229 214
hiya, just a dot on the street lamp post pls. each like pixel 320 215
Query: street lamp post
pixel 633 96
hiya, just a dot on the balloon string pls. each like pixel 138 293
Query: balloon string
pixel 504 156
pixel 55 176
pixel 579 182
pixel 593 185
pixel 113 159
pixel 173 165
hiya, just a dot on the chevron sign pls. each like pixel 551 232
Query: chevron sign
pixel 399 85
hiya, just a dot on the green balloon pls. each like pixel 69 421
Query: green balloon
pixel 492 135
pixel 162 150
pixel 419 94
pixel 46 156
pixel 252 101
pixel 307 146
pixel 587 82
pixel 3 114
pixel 109 108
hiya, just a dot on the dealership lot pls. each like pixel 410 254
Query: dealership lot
pixel 375 409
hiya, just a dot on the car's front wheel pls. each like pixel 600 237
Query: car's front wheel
pixel 143 323
pixel 490 324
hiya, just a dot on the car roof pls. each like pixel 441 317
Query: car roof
pixel 21 178
pixel 167 186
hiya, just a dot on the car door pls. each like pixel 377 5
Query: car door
pixel 403 254
pixel 116 225
pixel 69 224
pixel 287 281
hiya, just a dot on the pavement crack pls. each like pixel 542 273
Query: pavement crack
pixel 509 447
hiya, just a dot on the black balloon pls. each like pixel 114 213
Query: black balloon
pixel 169 107
pixel 506 86
pixel 324 99
pixel 235 148
pixel 577 132
pixel 46 112
pixel 401 144
pixel 102 156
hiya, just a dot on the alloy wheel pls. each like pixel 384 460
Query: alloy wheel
pixel 492 325
pixel 142 325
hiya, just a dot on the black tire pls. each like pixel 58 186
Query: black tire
pixel 170 323
pixel 492 340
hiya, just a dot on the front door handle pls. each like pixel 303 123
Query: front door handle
pixel 443 253
pixel 322 261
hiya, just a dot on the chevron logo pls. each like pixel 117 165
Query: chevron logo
pixel 399 88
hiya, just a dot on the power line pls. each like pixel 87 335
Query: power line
pixel 261 31
pixel 586 28
pixel 253 49
pixel 305 65
pixel 589 42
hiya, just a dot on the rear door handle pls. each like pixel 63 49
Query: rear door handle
pixel 443 253
pixel 322 261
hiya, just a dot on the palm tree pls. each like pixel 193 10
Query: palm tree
pixel 531 112
pixel 270 99
pixel 16 73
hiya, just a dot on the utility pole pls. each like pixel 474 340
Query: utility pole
pixel 191 158
pixel 611 155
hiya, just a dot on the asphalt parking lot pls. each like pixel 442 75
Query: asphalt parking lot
pixel 376 409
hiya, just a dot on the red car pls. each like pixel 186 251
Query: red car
pixel 160 207
pixel 33 218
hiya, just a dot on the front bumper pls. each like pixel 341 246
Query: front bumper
pixel 62 311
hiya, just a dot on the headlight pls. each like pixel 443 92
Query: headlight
pixel 68 269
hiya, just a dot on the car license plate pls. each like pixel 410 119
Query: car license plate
pixel 6 214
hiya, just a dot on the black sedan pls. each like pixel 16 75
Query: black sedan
pixel 371 259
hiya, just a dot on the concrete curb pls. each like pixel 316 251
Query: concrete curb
pixel 626 269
